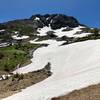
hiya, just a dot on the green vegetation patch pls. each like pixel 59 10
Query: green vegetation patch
pixel 16 55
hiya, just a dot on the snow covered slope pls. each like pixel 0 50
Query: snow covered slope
pixel 74 66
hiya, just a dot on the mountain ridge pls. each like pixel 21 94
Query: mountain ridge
pixel 56 21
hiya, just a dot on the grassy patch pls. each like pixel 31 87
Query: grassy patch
pixel 11 56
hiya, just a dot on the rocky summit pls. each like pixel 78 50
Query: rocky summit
pixel 55 21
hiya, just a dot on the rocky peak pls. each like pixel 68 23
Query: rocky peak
pixel 56 21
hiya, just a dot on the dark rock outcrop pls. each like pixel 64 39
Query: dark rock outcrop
pixel 56 21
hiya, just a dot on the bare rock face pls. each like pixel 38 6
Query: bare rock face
pixel 63 21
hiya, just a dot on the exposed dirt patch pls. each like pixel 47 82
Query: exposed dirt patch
pixel 17 82
pixel 89 93
pixel 3 73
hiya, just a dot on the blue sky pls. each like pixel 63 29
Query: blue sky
pixel 86 11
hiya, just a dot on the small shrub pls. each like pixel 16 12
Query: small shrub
pixel 6 68
pixel 21 76
pixel 1 55
pixel 47 67
pixel 17 76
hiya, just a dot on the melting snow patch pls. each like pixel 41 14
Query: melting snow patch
pixel 60 33
pixel 2 30
pixel 37 18
pixel 44 30
pixel 16 37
